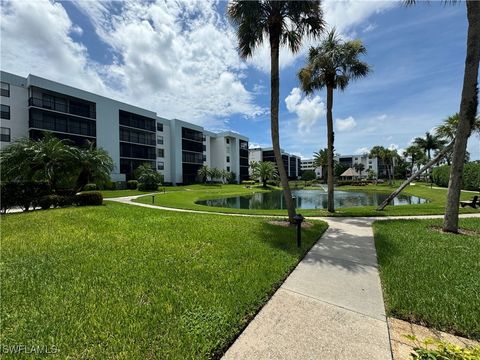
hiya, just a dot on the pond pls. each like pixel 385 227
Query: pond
pixel 309 199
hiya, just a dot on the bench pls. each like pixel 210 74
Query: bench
pixel 473 203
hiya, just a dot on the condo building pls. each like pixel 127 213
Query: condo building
pixel 291 162
pixel 368 162
pixel 34 106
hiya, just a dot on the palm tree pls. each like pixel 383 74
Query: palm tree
pixel 387 157
pixel 428 143
pixel 359 167
pixel 204 173
pixel 415 154
pixel 225 175
pixel 467 114
pixel 215 173
pixel 264 170
pixel 332 65
pixel 95 164
pixel 48 159
pixel 282 23
pixel 448 128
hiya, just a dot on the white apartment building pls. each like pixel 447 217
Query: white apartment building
pixel 309 164
pixel 291 162
pixel 368 162
pixel 132 136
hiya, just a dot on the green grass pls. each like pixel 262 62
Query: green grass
pixel 125 282
pixel 429 277
pixel 121 193
pixel 188 195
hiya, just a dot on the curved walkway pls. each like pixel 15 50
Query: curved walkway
pixel 330 307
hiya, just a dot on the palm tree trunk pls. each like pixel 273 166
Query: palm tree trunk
pixel 274 103
pixel 432 162
pixel 330 139
pixel 468 111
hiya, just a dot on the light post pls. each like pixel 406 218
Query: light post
pixel 298 221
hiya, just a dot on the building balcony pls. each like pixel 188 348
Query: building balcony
pixel 79 109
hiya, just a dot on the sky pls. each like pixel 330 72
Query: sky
pixel 180 60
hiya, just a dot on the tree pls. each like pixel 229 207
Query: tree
pixel 263 170
pixel 95 164
pixel 225 175
pixel 148 178
pixel 215 173
pixel 332 65
pixel 387 156
pixel 282 23
pixel 428 143
pixel 359 167
pixel 320 159
pixel 204 173
pixel 467 114
pixel 308 175
pixel 415 154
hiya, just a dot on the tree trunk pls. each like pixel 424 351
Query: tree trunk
pixel 468 112
pixel 432 162
pixel 274 103
pixel 330 139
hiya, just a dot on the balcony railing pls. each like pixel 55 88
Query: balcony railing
pixel 62 107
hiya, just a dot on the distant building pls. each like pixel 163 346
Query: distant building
pixel 131 135
pixel 368 162
pixel 292 163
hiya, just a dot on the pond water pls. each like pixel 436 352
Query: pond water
pixel 309 199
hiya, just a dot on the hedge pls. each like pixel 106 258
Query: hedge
pixel 22 194
pixel 89 198
pixel 132 184
pixel 471 176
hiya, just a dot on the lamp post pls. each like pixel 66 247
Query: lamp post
pixel 153 199
pixel 298 221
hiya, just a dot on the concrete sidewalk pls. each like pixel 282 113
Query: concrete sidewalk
pixel 330 307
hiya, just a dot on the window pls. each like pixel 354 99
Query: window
pixel 161 165
pixel 228 158
pixel 159 127
pixel 228 141
pixel 159 140
pixel 160 153
pixel 5 89
pixel 4 134
pixel 228 168
pixel 5 113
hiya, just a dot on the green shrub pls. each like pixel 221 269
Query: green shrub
pixel 248 182
pixel 89 198
pixel 148 178
pixel 432 349
pixel 22 194
pixel 47 201
pixel 90 187
pixel 309 175
pixel 344 182
pixel 132 184
pixel 65 200
pixel 471 176
pixel 273 182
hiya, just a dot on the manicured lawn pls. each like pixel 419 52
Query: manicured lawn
pixel 120 281
pixel 429 277
pixel 186 198
pixel 121 193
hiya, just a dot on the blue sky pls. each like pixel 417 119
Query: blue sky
pixel 180 60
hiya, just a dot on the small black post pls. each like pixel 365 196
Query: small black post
pixel 298 220
pixel 153 199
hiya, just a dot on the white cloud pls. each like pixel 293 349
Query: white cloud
pixel 307 109
pixel 369 27
pixel 347 124
pixel 176 58
pixel 382 117
pixel 362 150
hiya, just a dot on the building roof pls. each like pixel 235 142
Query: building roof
pixel 350 173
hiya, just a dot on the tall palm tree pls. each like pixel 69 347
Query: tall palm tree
pixel 467 113
pixel 95 164
pixel 415 154
pixel 282 23
pixel 332 65
pixel 263 170
pixel 428 143
pixel 320 159
pixel 448 128
pixel 359 167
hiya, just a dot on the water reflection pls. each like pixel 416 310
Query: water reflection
pixel 309 199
